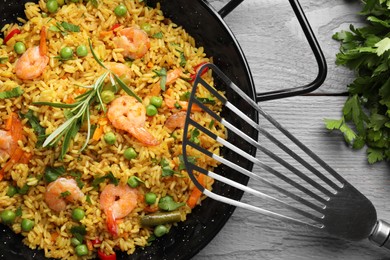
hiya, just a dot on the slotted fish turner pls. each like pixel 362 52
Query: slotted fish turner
pixel 312 194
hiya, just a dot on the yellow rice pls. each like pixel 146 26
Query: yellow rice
pixel 59 82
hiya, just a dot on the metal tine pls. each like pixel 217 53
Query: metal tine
pixel 304 148
pixel 260 195
pixel 281 176
pixel 272 155
pixel 253 142
pixel 255 176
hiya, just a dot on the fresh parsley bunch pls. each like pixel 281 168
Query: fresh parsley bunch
pixel 366 113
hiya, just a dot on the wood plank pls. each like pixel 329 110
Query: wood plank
pixel 276 49
pixel 249 235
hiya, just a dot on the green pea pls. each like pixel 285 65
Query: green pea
pixel 156 101
pixel 82 51
pixel 146 27
pixel 75 242
pixel 160 230
pixel 120 10
pixel 44 15
pixel 81 250
pixel 7 216
pixel 61 2
pixel 107 96
pixel 151 110
pixel 78 214
pixel 110 87
pixel 24 189
pixel 66 53
pixel 12 190
pixel 27 224
pixel 150 198
pixel 130 153
pixel 52 6
pixel 19 47
pixel 110 138
pixel 133 182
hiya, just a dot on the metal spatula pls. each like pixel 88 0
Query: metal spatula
pixel 312 194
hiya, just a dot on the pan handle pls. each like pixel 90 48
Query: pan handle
pixel 316 49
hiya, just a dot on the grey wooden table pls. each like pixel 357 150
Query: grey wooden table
pixel 279 56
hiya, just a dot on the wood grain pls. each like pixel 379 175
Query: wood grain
pixel 248 235
pixel 278 56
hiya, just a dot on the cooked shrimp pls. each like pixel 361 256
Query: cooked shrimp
pixel 34 61
pixel 61 191
pixel 126 113
pixel 117 202
pixel 119 69
pixel 9 148
pixel 134 41
pixel 176 120
pixel 6 143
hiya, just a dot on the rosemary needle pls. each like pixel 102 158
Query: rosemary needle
pixel 80 110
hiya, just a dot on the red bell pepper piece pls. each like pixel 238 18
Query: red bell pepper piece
pixel 96 241
pixel 193 76
pixel 11 34
pixel 115 26
pixel 103 256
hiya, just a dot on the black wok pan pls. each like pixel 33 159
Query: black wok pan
pixel 209 30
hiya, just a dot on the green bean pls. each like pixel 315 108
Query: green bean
pixel 160 218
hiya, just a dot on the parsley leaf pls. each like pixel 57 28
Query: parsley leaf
pixel 158 35
pixel 162 73
pixel 166 169
pixel 15 92
pixel 39 130
pixel 366 112
pixel 109 176
pixel 3 60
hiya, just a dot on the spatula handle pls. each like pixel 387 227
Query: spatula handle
pixel 380 234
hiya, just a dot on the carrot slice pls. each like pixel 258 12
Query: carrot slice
pixel 15 157
pixel 196 193
pixel 42 42
pixel 99 130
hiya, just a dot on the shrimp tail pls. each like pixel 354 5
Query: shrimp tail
pixel 111 222
pixel 42 42
pixel 142 135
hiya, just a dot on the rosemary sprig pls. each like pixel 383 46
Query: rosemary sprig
pixel 79 111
